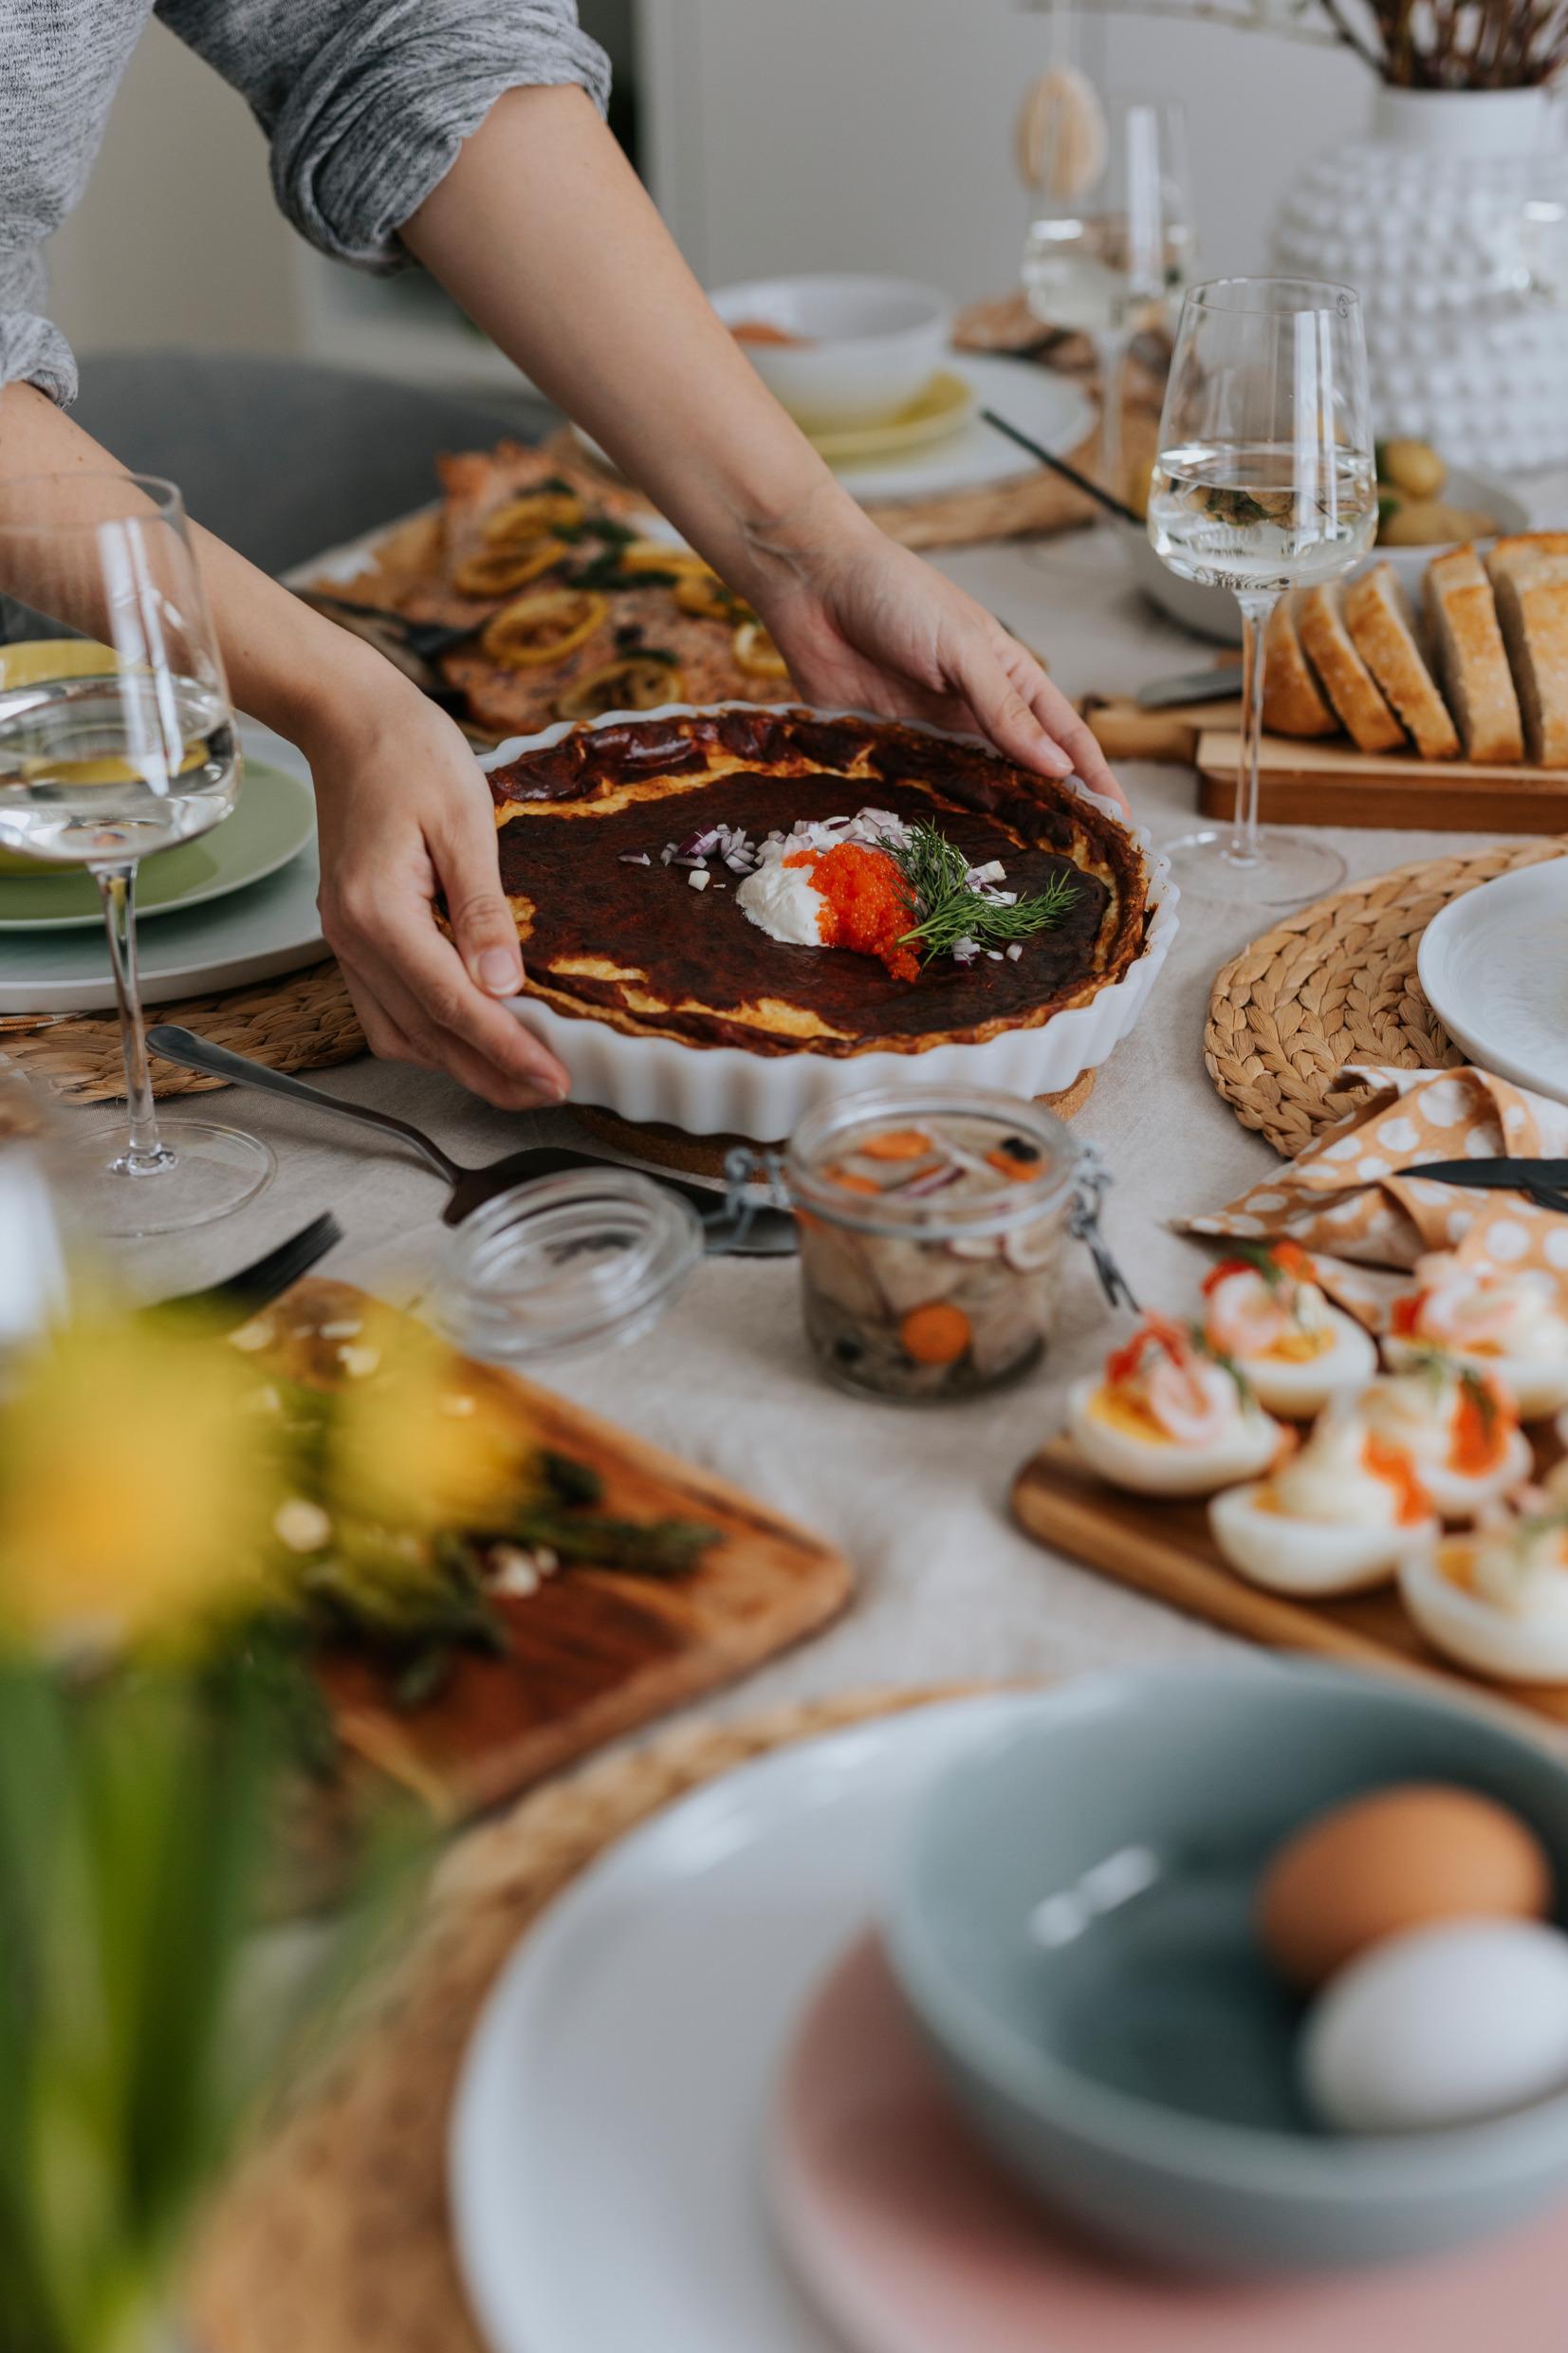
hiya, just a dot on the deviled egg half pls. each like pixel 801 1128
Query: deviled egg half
pixel 1267 1314
pixel 1167 1417
pixel 1342 1516
pixel 1456 1427
pixel 1496 1598
pixel 1507 1321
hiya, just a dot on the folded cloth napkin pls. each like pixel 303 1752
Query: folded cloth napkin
pixel 1356 1193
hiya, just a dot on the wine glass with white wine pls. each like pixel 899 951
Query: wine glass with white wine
pixel 1265 482
pixel 117 740
pixel 1111 257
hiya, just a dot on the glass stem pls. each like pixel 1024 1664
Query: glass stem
pixel 1111 347
pixel 1245 847
pixel 145 1155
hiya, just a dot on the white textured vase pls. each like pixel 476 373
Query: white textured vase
pixel 1421 216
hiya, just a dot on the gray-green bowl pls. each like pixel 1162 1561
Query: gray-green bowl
pixel 1139 2077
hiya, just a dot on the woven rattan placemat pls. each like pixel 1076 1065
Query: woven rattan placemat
pixel 301 1021
pixel 335 2237
pixel 1336 984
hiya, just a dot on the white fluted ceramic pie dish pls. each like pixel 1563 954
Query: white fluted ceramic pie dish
pixel 725 1090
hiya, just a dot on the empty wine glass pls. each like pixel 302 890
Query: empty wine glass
pixel 1112 259
pixel 117 740
pixel 1265 482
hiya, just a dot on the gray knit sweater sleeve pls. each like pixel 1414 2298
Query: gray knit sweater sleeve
pixel 366 102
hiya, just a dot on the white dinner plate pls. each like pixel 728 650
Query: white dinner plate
pixel 608 2136
pixel 1053 412
pixel 268 927
pixel 1494 969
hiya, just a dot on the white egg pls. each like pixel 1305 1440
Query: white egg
pixel 1290 1555
pixel 1509 1647
pixel 1538 1386
pixel 1460 1494
pixel 1301 1388
pixel 1443 2026
pixel 1150 1465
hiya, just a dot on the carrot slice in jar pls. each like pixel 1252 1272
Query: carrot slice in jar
pixel 850 1180
pixel 938 1334
pixel 896 1143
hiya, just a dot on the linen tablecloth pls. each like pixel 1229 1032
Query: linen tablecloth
pixel 916 1497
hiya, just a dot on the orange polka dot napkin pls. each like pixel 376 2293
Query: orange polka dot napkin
pixel 1356 1193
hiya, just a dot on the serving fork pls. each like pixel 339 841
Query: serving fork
pixel 757 1232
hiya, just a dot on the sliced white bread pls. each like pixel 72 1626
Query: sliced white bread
pixel 1472 659
pixel 1529 577
pixel 1342 674
pixel 1293 704
pixel 1383 631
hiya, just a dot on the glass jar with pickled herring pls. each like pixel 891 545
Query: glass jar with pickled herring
pixel 933 1225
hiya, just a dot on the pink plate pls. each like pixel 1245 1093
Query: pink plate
pixel 911 2242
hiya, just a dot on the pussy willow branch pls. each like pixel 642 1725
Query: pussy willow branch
pixel 1415 44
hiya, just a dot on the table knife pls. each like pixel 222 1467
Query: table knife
pixel 1193 686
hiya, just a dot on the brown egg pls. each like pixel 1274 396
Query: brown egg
pixel 1417 1852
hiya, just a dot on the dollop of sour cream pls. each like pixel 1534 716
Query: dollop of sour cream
pixel 1330 1481
pixel 780 898
pixel 783 902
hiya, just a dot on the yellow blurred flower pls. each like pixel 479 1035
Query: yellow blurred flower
pixel 420 1442
pixel 137 1488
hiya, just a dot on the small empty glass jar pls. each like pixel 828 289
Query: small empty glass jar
pixel 933 1224
pixel 566 1266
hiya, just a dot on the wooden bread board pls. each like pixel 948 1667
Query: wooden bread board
pixel 1329 783
pixel 1163 1547
pixel 594 1653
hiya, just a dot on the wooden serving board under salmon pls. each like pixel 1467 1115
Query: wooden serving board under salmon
pixel 1163 1547
pixel 592 1651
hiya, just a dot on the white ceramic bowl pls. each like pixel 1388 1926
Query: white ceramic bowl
pixel 1213 612
pixel 872 343
pixel 725 1090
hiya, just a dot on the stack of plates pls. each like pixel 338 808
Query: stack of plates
pixel 237 905
pixel 941 444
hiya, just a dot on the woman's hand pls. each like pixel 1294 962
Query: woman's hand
pixel 866 623
pixel 405 816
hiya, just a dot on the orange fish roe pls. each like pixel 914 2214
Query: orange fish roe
pixel 1388 1464
pixel 865 903
pixel 1480 1437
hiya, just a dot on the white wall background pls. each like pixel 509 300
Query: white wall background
pixel 176 240
pixel 783 135
pixel 878 134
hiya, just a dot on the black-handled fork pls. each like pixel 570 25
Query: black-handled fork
pixel 1545 1183
pixel 238 1297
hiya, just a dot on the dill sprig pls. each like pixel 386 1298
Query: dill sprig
pixel 947 907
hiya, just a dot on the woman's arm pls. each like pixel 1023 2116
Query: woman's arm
pixel 542 232
pixel 404 812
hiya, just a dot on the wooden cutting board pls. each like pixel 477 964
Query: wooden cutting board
pixel 1331 783
pixel 594 1653
pixel 1164 1549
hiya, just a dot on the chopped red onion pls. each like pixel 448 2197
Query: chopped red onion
pixel 636 858
pixel 698 878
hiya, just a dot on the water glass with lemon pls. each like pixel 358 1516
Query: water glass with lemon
pixel 117 740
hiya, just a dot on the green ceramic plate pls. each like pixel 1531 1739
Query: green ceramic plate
pixel 272 820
